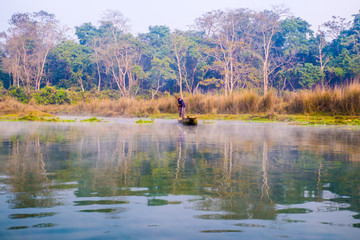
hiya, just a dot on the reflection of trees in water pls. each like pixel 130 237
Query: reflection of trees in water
pixel 124 154
pixel 234 187
pixel 265 187
pixel 180 162
pixel 26 169
pixel 328 140
pixel 319 183
pixel 108 168
pixel 245 175
pixel 227 165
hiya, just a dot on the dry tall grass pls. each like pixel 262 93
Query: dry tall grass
pixel 123 107
pixel 340 100
pixel 10 106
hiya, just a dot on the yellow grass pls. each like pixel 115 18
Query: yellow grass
pixel 338 101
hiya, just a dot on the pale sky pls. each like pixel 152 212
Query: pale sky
pixel 176 14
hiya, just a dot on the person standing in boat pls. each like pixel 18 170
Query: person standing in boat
pixel 181 107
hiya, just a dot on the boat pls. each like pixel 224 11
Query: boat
pixel 188 120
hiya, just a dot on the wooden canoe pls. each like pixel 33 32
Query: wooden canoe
pixel 188 121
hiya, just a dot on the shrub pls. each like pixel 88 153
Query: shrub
pixel 50 95
pixel 61 97
pixel 19 93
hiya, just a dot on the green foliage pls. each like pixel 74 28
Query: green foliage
pixel 225 50
pixel 50 95
pixel 61 97
pixel 293 39
pixel 93 119
pixel 77 59
pixel 161 72
pixel 138 72
pixel 2 89
pixel 157 36
pixel 19 93
pixel 86 33
pixel 4 77
pixel 309 75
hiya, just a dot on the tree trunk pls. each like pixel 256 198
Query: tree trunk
pixel 98 69
pixel 81 84
pixel 266 78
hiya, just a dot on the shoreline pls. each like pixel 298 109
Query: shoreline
pixel 293 119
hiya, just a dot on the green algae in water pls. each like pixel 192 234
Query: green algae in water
pixel 294 211
pixel 104 210
pixel 33 215
pixel 157 202
pixel 93 119
pixel 221 231
pixel 100 202
pixel 18 227
pixel 140 121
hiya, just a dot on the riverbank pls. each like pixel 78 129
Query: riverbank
pixel 338 106
pixel 298 119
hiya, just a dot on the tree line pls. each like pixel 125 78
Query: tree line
pixel 223 51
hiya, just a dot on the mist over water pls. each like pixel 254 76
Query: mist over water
pixel 225 180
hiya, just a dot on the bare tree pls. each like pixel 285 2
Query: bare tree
pixel 117 53
pixel 230 40
pixel 11 63
pixel 48 34
pixel 335 26
pixel 27 45
pixel 120 58
pixel 325 34
pixel 179 46
pixel 116 21
pixel 210 23
pixel 98 57
pixel 322 58
pixel 267 24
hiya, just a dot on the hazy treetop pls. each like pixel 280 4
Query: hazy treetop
pixel 174 14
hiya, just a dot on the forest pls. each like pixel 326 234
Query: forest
pixel 224 52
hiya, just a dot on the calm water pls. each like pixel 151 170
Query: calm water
pixel 227 180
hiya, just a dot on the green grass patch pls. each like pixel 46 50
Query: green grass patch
pixel 297 119
pixel 140 121
pixel 93 119
pixel 33 117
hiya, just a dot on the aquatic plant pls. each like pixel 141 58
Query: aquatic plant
pixel 34 116
pixel 140 121
pixel 93 119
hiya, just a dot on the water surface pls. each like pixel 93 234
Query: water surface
pixel 226 180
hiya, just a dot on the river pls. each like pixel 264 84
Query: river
pixel 218 180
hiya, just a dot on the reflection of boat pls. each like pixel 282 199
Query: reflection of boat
pixel 188 120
